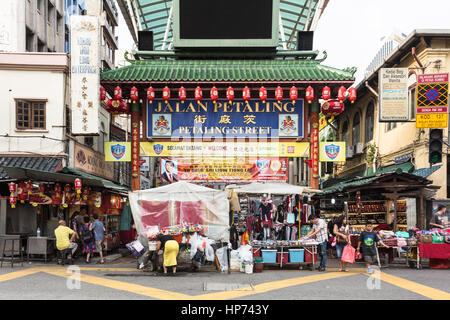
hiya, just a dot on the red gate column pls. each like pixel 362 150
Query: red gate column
pixel 314 121
pixel 135 132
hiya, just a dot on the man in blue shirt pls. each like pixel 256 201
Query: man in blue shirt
pixel 99 234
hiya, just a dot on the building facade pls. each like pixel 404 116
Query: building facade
pixel 373 145
pixel 32 26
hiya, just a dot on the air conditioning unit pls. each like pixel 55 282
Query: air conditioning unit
pixel 359 148
pixel 349 152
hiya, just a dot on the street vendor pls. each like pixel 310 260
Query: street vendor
pixel 438 218
pixel 170 248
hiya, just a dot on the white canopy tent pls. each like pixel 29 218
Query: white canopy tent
pixel 271 189
pixel 179 203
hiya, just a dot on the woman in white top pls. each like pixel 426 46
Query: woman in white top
pixel 341 230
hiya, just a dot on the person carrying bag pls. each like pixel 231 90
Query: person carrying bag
pixel 341 230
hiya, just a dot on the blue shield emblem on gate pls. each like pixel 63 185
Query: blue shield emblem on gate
pixel 158 148
pixel 332 151
pixel 118 151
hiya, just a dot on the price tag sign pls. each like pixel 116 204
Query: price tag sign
pixel 432 120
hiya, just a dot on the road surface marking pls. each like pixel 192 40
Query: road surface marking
pixel 18 274
pixel 415 287
pixel 124 286
pixel 270 286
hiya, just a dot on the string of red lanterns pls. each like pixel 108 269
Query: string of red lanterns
pixel 118 105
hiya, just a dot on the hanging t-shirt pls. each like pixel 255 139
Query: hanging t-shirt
pixel 368 242
pixel 265 212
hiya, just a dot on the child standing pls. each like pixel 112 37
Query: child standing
pixel 367 241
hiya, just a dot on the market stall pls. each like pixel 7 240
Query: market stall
pixel 185 211
pixel 271 218
pixel 392 202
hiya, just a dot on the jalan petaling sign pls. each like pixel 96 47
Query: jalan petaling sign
pixel 238 119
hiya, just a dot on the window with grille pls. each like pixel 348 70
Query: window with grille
pixel 30 114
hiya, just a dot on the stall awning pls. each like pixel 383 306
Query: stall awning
pixel 407 167
pixel 425 172
pixel 97 180
pixel 45 164
pixel 66 176
pixel 272 188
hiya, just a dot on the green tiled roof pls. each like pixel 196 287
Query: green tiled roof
pixel 161 70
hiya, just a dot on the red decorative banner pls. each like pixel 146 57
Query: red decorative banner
pixel 315 151
pixel 224 170
pixel 135 159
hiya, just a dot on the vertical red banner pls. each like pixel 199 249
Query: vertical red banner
pixel 315 152
pixel 135 150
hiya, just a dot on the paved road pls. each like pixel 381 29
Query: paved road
pixel 124 282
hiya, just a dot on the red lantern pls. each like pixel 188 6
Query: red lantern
pixel 12 187
pixel 86 193
pixel 182 95
pixel 67 189
pixel 341 94
pixel 230 94
pixel 352 95
pixel 246 94
pixel 310 94
pixel 279 94
pixel 332 108
pixel 198 94
pixel 30 187
pixel 78 185
pixel 117 93
pixel 326 93
pixel 117 106
pixel 293 93
pixel 58 190
pixel 102 94
pixel 134 94
pixel 22 194
pixel 41 189
pixel 13 200
pixel 214 94
pixel 150 94
pixel 166 94
pixel 263 94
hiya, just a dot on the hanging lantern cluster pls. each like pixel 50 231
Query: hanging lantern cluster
pixel 118 105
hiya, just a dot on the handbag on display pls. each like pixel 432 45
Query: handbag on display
pixel 425 238
pixel 437 238
pixel 447 239
pixel 401 242
pixel 392 242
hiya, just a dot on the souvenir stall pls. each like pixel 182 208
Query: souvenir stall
pixel 197 217
pixel 270 219
pixel 394 203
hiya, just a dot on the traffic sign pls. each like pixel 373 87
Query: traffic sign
pixel 432 120
pixel 432 93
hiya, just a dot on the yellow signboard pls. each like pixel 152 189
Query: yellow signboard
pixel 323 122
pixel 432 120
pixel 118 151
pixel 332 151
pixel 198 150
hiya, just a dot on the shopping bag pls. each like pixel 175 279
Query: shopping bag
pixel 348 255
pixel 358 255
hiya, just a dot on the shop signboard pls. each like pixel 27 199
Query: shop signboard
pixel 403 158
pixel 207 150
pixel 224 170
pixel 92 162
pixel 118 151
pixel 85 74
pixel 222 119
pixel 393 84
pixel 323 123
pixel 332 151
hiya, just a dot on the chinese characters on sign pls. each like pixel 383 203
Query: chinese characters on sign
pixel 85 74
pixel 135 150
pixel 315 151
pixel 225 119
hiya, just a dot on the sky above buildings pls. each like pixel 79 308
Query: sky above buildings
pixel 351 30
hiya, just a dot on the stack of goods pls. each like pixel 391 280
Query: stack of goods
pixel 433 236
pixel 399 239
